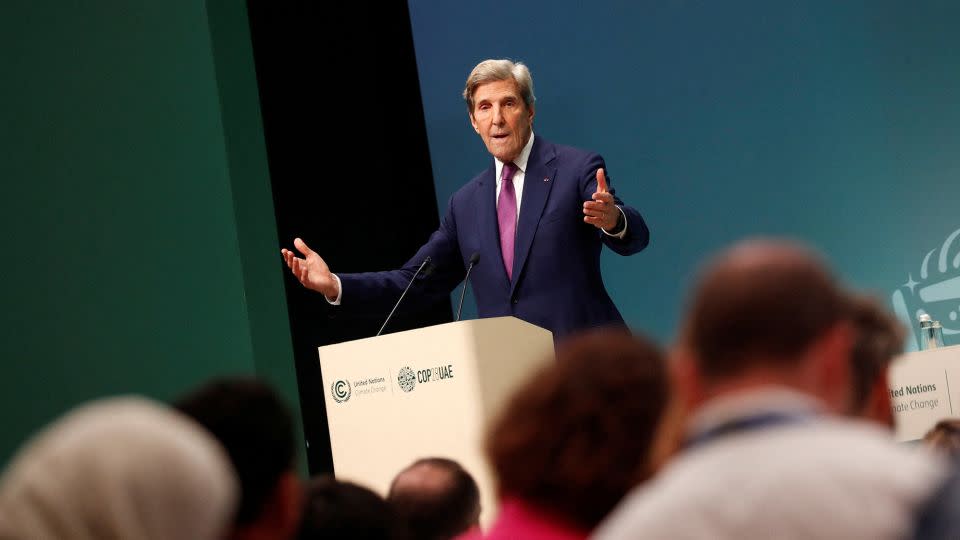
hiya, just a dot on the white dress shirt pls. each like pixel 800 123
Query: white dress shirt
pixel 521 174
pixel 518 177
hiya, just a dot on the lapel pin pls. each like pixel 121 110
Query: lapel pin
pixel 546 179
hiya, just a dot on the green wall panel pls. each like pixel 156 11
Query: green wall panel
pixel 125 268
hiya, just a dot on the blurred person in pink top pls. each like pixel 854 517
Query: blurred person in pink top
pixel 578 436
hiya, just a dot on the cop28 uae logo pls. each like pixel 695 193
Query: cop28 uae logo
pixel 937 293
pixel 340 390
pixel 406 379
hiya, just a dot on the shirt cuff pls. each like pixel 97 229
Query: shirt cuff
pixel 336 301
pixel 618 236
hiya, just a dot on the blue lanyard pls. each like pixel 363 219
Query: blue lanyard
pixel 748 423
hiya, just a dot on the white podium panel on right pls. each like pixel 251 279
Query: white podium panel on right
pixel 924 388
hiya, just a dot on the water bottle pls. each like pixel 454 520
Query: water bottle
pixel 931 333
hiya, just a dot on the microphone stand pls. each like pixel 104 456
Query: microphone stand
pixel 423 265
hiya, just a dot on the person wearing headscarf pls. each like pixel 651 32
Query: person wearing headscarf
pixel 119 468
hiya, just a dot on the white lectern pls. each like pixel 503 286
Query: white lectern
pixel 922 390
pixel 428 392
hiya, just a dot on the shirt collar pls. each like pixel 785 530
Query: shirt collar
pixel 774 398
pixel 520 162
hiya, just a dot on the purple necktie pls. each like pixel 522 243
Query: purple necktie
pixel 507 215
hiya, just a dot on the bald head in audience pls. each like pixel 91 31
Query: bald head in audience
pixel 768 312
pixel 436 499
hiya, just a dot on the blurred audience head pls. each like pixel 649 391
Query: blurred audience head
pixel 945 438
pixel 256 429
pixel 334 509
pixel 579 434
pixel 879 339
pixel 767 312
pixel 119 468
pixel 436 499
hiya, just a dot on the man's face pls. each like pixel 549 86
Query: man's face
pixel 501 118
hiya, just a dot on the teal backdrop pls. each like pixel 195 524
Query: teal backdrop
pixel 836 123
pixel 139 242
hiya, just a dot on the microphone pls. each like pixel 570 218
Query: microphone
pixel 474 259
pixel 426 264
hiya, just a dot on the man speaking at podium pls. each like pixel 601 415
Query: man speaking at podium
pixel 532 224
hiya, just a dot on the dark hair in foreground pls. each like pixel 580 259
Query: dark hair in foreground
pixel 334 509
pixel 945 437
pixel 879 339
pixel 255 428
pixel 578 435
pixel 435 498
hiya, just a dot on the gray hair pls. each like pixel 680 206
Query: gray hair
pixel 499 70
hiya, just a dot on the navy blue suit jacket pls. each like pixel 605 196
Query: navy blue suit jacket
pixel 556 269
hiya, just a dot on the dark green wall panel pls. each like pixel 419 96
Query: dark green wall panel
pixel 125 266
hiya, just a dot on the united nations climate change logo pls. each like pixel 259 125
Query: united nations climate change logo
pixel 406 379
pixel 340 390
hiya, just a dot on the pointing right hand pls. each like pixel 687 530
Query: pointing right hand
pixel 311 271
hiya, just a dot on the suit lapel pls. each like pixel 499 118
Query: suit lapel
pixel 489 228
pixel 538 180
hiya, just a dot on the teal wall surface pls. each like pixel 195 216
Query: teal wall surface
pixel 139 241
pixel 836 123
